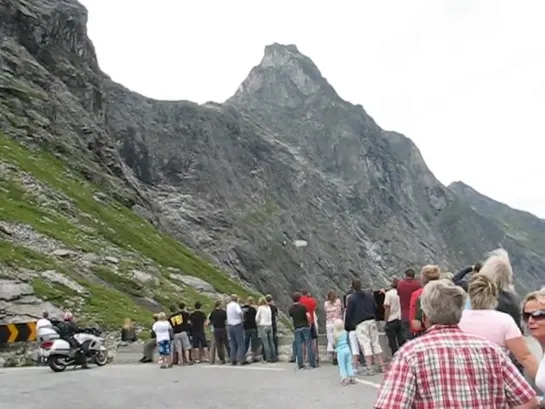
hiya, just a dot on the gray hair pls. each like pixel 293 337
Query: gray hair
pixel 443 302
pixel 498 268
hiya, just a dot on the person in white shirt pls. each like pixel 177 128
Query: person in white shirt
pixel 263 320
pixel 235 331
pixel 44 322
pixel 392 316
pixel 163 332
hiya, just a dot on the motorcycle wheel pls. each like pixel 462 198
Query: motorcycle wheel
pixel 101 358
pixel 56 363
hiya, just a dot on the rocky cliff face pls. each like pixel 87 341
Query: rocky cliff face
pixel 285 158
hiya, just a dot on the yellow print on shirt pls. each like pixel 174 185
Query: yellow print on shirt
pixel 177 320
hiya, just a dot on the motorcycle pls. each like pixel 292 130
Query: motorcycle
pixel 60 354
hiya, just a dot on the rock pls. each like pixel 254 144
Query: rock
pixel 5 229
pixel 90 258
pixel 59 278
pixel 194 282
pixel 144 277
pixel 63 253
pixel 113 260
pixel 11 290
pixel 285 157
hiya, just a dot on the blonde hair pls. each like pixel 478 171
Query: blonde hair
pixel 338 328
pixel 127 323
pixel 483 293
pixel 538 296
pixel 430 272
pixel 262 301
pixel 161 316
pixel 250 300
pixel 498 268
pixel 447 275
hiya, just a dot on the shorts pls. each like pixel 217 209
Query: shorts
pixel 313 332
pixel 198 340
pixel 181 341
pixel 367 335
pixel 354 346
pixel 163 347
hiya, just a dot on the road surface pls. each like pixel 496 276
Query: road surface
pixel 201 386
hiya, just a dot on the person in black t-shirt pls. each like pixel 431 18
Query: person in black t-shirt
pixel 198 336
pixel 180 327
pixel 250 327
pixel 301 323
pixel 218 319
pixel 274 310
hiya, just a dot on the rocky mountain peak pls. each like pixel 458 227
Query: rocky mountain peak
pixel 285 77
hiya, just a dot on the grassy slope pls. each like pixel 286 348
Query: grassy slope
pixel 110 223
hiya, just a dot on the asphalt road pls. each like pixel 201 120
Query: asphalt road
pixel 201 386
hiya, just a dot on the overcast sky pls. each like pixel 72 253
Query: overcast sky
pixel 464 79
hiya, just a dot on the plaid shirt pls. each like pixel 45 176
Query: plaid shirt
pixel 446 368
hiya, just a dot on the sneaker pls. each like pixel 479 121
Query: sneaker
pixel 367 372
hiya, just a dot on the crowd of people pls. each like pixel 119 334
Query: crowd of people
pixel 457 340
pixel 236 329
pixel 462 343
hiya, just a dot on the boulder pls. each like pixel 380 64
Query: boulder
pixel 195 282
pixel 54 277
pixel 113 260
pixel 63 253
pixel 145 278
pixel 11 290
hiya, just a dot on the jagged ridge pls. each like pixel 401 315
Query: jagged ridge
pixel 284 158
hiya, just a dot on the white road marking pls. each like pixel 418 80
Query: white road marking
pixel 245 367
pixel 368 383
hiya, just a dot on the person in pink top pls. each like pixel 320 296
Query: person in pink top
pixel 497 327
pixel 333 311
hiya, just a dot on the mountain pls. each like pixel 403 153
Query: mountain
pixel 113 204
pixel 524 234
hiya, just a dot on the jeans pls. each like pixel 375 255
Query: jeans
pixel 394 332
pixel 275 341
pixel 220 339
pixel 236 343
pixel 149 347
pixel 302 336
pixel 265 333
pixel 344 358
pixel 251 340
pixel 406 329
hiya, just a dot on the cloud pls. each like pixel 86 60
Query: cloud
pixel 460 78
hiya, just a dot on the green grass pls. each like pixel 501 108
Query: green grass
pixel 18 256
pixel 119 281
pixel 111 223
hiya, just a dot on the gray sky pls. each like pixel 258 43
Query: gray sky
pixel 462 78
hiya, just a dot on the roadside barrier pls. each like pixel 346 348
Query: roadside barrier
pixel 18 332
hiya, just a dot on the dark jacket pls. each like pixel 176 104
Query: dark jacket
pixel 361 307
pixel 459 278
pixel 509 304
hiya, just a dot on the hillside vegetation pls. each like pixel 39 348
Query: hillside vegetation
pixel 80 249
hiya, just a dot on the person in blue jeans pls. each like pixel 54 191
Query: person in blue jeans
pixel 344 355
pixel 301 323
pixel 235 332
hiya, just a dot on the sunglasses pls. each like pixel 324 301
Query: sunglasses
pixel 537 315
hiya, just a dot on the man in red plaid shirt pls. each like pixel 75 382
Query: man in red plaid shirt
pixel 446 368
